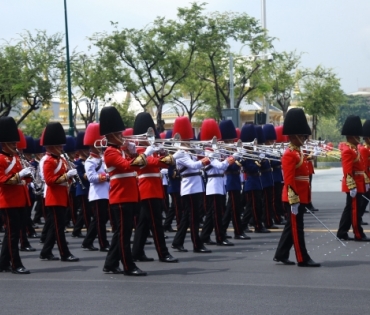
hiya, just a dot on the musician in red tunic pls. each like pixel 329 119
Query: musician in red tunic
pixel 57 176
pixel 123 193
pixel 296 190
pixel 14 196
pixel 353 182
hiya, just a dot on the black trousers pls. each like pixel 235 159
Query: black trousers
pixel 24 216
pixel 47 225
pixel 39 210
pixel 165 200
pixel 268 201
pixel 83 214
pixel 120 250
pixel 215 205
pixel 293 234
pixel 351 216
pixel 56 218
pixel 191 205
pixel 254 207
pixel 150 217
pixel 278 203
pixel 233 212
pixel 98 225
pixel 9 255
pixel 28 221
pixel 175 210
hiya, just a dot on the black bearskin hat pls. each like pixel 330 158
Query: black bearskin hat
pixel 8 130
pixel 110 121
pixel 248 133
pixel 295 123
pixel 352 126
pixel 142 122
pixel 366 128
pixel 54 134
pixel 79 144
pixel 227 129
pixel 260 135
pixel 269 132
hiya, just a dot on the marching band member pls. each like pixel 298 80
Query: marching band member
pixel 267 183
pixel 13 196
pixel 232 185
pixel 215 189
pixel 39 208
pixel 252 185
pixel 123 193
pixel 192 189
pixel 296 191
pixel 57 178
pixel 353 182
pixel 98 192
pixel 82 190
pixel 365 154
pixel 151 198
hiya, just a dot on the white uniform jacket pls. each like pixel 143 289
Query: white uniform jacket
pixel 215 177
pixel 189 169
pixel 98 189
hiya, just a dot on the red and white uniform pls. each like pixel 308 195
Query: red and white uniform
pixel 123 182
pixel 56 194
pixel 365 155
pixel 12 196
pixel 353 165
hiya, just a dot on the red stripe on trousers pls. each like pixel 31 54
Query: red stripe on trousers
pixel 356 230
pixel 298 252
pixel 155 234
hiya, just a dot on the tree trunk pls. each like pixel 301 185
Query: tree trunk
pixel 160 126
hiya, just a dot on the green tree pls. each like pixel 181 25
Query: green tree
pixel 35 123
pixel 327 129
pixel 92 79
pixel 127 115
pixel 321 95
pixel 353 105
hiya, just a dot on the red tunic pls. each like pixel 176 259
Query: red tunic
pixel 353 166
pixel 12 196
pixel 365 156
pixel 296 175
pixel 123 182
pixel 150 181
pixel 55 194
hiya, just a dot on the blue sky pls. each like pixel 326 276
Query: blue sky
pixel 333 33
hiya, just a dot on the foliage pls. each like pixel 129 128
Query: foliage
pixel 353 105
pixel 127 115
pixel 35 123
pixel 328 130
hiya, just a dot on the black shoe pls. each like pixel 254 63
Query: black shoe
pixel 134 272
pixel 116 270
pixel 37 222
pixel 364 223
pixel 169 259
pixel 242 237
pixel 169 229
pixel 80 235
pixel 284 261
pixel 148 243
pixel 273 227
pixel 179 248
pixel 90 247
pixel 246 230
pixel 69 226
pixel 70 259
pixel 309 263
pixel 346 238
pixel 228 236
pixel 282 222
pixel 262 230
pixel 35 226
pixel 6 269
pixel 362 239
pixel 104 249
pixel 27 249
pixel 210 242
pixel 203 250
pixel 34 235
pixel 41 241
pixel 226 242
pixel 143 258
pixel 48 257
pixel 21 271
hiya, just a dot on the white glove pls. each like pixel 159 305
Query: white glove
pixel 237 156
pixel 367 187
pixel 149 151
pixel 71 173
pixel 32 185
pixel 294 208
pixel 262 156
pixel 353 192
pixel 177 155
pixel 131 147
pixel 25 172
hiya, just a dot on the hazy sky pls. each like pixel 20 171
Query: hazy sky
pixel 333 33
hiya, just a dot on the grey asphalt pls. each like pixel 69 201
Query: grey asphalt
pixel 235 280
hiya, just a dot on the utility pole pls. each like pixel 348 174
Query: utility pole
pixel 263 19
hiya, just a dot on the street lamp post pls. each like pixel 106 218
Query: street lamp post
pixel 231 70
pixel 69 89
pixel 263 19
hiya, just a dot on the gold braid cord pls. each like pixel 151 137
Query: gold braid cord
pixel 367 179
pixel 168 159
pixel 351 184
pixel 292 196
pixel 14 180
pixel 140 161
pixel 62 179
pixel 238 163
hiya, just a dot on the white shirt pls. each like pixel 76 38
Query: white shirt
pixel 215 185
pixel 98 190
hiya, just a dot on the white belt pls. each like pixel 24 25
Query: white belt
pixel 359 173
pixel 110 169
pixel 303 178
pixel 149 175
pixel 123 175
